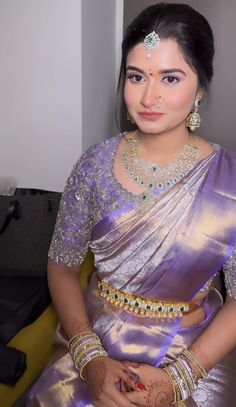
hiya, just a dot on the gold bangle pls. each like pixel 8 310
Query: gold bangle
pixel 189 371
pixel 86 361
pixel 189 355
pixel 82 348
pixel 83 344
pixel 176 386
pixel 173 382
pixel 81 336
pixel 184 375
pixel 81 354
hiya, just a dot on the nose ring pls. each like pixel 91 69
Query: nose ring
pixel 159 103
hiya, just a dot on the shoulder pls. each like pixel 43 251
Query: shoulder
pixel 97 155
pixel 229 154
pixel 101 149
pixel 228 157
pixel 223 171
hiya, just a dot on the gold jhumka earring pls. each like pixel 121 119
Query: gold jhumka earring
pixel 194 120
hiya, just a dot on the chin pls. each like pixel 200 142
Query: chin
pixel 151 128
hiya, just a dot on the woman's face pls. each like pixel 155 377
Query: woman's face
pixel 167 75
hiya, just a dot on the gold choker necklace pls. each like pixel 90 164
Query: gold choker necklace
pixel 151 176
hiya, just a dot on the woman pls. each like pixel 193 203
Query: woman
pixel 156 208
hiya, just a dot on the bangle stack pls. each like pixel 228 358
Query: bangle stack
pixel 189 355
pixel 182 376
pixel 83 348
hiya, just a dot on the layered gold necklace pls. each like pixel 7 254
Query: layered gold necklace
pixel 152 177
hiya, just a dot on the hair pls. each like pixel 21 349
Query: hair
pixel 181 23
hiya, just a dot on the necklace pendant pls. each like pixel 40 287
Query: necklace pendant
pixel 150 175
pixel 145 197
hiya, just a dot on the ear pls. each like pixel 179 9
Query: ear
pixel 200 94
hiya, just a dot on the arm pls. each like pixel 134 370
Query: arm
pixel 101 373
pixel 69 245
pixel 67 297
pixel 215 342
pixel 220 336
pixel 70 242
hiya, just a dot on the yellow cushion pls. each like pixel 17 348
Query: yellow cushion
pixel 86 269
pixel 36 340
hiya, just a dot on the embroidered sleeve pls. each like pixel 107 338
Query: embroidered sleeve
pixel 230 275
pixel 72 232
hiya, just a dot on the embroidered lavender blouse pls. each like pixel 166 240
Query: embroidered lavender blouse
pixel 92 192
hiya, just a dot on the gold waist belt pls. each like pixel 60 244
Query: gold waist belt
pixel 141 306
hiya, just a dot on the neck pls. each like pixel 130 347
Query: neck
pixel 165 143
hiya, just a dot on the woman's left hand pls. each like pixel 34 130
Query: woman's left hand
pixel 159 391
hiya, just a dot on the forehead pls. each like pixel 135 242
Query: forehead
pixel 166 56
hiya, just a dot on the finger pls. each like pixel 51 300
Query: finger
pixel 121 400
pixel 129 379
pixel 133 364
pixel 134 368
pixel 136 397
pixel 125 388
pixel 133 381
pixel 105 401
pixel 102 404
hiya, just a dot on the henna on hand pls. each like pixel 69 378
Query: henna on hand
pixel 160 394
pixel 96 381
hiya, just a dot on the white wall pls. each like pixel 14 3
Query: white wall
pixel 57 79
pixel 102 29
pixel 40 98
pixel 218 113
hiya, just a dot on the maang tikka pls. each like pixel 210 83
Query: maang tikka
pixel 151 41
pixel 194 120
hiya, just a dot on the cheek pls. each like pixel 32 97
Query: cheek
pixel 183 99
pixel 130 94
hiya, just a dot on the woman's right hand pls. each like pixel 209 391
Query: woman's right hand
pixel 102 375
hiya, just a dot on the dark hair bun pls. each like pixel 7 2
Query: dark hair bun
pixel 186 26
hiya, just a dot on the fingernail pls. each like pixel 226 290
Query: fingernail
pixel 140 386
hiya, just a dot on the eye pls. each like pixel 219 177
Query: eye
pixel 135 78
pixel 171 79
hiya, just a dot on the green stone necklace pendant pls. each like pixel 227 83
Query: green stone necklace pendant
pixel 152 177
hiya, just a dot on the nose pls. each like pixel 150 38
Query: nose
pixel 150 96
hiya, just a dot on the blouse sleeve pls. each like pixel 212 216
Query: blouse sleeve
pixel 72 233
pixel 229 270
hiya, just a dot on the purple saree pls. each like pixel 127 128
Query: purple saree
pixel 172 250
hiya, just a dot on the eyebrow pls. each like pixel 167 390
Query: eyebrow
pixel 162 71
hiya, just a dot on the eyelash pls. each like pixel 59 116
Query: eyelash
pixel 132 77
pixel 173 77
